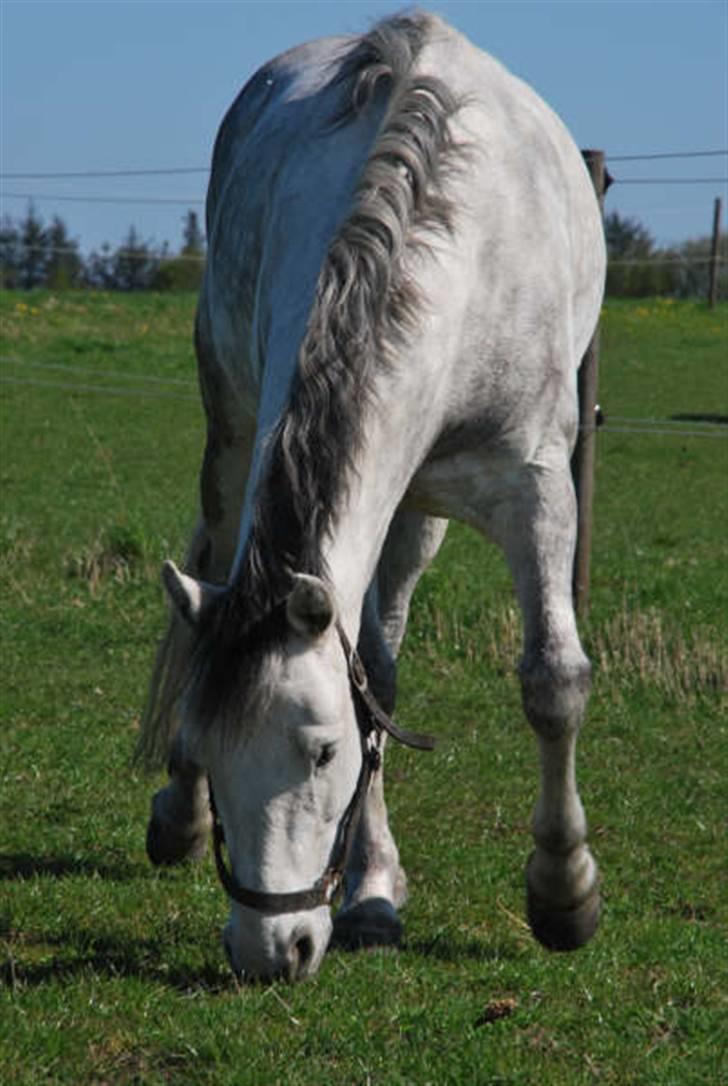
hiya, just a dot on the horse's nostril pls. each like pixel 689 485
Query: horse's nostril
pixel 305 950
pixel 300 955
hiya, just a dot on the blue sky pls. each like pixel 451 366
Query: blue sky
pixel 143 84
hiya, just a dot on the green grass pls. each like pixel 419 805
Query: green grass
pixel 113 973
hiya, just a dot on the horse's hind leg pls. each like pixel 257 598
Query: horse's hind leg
pixel 376 885
pixel 180 822
pixel 180 819
pixel 538 536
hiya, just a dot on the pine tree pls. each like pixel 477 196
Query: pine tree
pixel 184 272
pixel 636 267
pixel 98 272
pixel 10 255
pixel 65 266
pixel 34 250
pixel 194 241
pixel 133 264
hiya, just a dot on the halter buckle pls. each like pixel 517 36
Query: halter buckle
pixel 330 884
pixel 357 673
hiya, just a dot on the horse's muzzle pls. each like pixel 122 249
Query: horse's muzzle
pixel 288 955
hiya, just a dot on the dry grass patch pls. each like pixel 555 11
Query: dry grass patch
pixel 116 554
pixel 632 645
pixel 644 646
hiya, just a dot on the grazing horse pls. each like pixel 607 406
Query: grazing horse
pixel 405 265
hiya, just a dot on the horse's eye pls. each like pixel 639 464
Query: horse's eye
pixel 326 754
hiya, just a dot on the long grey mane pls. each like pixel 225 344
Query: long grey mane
pixel 364 305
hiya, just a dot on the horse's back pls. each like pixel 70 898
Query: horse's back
pixel 283 177
pixel 521 274
pixel 524 189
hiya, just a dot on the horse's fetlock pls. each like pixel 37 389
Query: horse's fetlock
pixel 563 879
pixel 558 839
pixel 562 897
pixel 379 875
pixel 369 923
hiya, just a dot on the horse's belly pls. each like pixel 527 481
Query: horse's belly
pixel 466 486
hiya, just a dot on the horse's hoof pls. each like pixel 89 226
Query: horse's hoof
pixel 371 923
pixel 166 846
pixel 564 928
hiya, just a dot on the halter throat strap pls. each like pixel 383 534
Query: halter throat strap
pixel 372 721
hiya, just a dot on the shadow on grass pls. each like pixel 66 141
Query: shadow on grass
pixel 451 949
pixel 23 865
pixel 717 419
pixel 34 959
pixel 72 955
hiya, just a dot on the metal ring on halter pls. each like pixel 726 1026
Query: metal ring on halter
pixel 357 674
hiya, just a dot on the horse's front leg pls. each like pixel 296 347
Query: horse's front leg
pixel 562 879
pixel 376 884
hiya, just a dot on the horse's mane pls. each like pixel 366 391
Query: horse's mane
pixel 365 303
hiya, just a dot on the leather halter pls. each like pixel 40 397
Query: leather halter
pixel 372 722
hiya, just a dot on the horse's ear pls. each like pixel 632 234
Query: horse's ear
pixel 310 606
pixel 190 597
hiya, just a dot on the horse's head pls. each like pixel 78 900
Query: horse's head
pixel 287 781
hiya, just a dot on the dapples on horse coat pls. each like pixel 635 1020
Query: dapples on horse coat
pixel 405 265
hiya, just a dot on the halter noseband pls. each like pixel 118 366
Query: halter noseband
pixel 372 722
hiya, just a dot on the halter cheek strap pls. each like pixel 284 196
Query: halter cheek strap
pixel 377 716
pixel 372 721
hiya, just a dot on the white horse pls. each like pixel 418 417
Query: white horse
pixel 405 266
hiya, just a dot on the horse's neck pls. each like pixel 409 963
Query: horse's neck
pixel 393 444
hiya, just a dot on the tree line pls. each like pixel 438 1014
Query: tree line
pixel 33 254
pixel 638 268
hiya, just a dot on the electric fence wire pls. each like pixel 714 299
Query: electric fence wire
pixel 624 425
pixel 199 258
pixel 53 175
pixel 73 388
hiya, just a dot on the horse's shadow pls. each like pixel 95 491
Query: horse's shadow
pixel 76 951
pixel 704 417
pixel 454 949
pixel 19 866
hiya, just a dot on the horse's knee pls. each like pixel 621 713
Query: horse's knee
pixel 380 665
pixel 555 690
pixel 383 680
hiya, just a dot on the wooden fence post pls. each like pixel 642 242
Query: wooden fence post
pixel 582 463
pixel 714 250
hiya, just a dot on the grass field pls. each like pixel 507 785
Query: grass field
pixel 113 973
